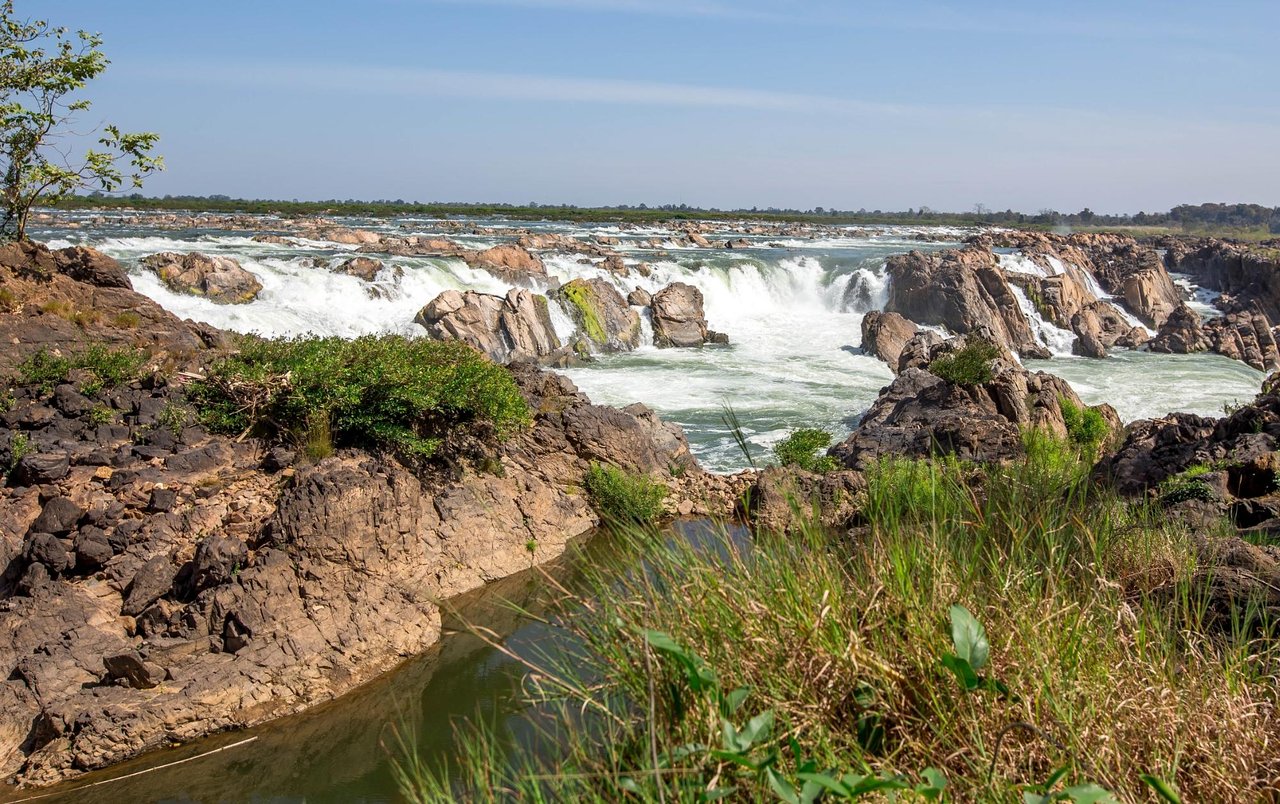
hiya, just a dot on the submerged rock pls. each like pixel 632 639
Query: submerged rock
pixel 219 279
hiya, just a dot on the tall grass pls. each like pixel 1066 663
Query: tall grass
pixel 757 670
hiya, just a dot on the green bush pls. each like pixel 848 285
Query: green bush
pixel 622 498
pixel 802 447
pixel 969 365
pixel 386 392
pixel 104 367
pixel 1086 427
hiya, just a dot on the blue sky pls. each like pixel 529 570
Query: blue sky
pixel 1115 106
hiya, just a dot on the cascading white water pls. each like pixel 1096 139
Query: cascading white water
pixel 1056 339
pixel 792 311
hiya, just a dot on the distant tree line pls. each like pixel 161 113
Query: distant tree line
pixel 1187 216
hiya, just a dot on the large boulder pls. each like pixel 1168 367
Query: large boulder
pixel 365 268
pixel 1137 276
pixel 921 414
pixel 219 279
pixel 963 290
pixel 508 262
pixel 605 321
pixel 92 267
pixel 885 334
pixel 1244 273
pixel 678 317
pixel 1243 335
pixel 505 328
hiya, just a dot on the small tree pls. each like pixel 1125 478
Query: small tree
pixel 41 68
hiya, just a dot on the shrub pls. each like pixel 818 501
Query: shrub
pixel 801 448
pixel 622 498
pixel 387 392
pixel 102 366
pixel 969 365
pixel 1086 428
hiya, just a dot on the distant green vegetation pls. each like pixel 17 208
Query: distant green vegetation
pixel 803 448
pixel 969 365
pixel 991 633
pixel 98 367
pixel 1249 220
pixel 622 498
pixel 388 392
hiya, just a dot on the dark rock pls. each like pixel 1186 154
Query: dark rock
pixel 49 550
pixel 163 500
pixel 70 401
pixel 92 267
pixel 93 548
pixel 217 559
pixel 133 670
pixel 42 467
pixel 59 516
pixel 152 581
pixel 278 458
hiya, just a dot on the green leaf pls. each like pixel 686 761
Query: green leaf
pixel 828 782
pixel 969 638
pixel 934 783
pixel 734 700
pixel 783 789
pixel 1165 790
pixel 758 728
pixel 962 670
pixel 1090 794
pixel 717 793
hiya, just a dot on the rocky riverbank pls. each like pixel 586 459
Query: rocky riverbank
pixel 163 582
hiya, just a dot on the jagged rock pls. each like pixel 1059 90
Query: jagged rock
pixel 601 313
pixel 42 467
pixel 92 547
pixel 92 267
pixel 59 516
pixel 365 268
pixel 133 670
pixel 509 262
pixel 272 239
pixel 885 334
pixel 920 414
pixel 614 265
pixel 219 279
pixel 1138 276
pixel 639 298
pixel 48 550
pixel 149 584
pixel 217 559
pixel 505 328
pixel 678 317
pixel 1180 334
pixel 962 290
pixel 696 239
pixel 1244 273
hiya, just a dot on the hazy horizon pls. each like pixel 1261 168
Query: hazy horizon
pixel 711 104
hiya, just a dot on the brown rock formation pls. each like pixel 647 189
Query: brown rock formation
pixel 509 262
pixel 508 328
pixel 920 414
pixel 885 334
pixel 605 321
pixel 219 279
pixel 678 317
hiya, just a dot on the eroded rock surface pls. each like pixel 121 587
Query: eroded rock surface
pixel 219 279
pixel 603 317
pixel 506 328
pixel 678 316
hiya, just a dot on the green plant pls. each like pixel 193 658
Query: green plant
pixel 100 415
pixel 8 300
pixel 101 366
pixel 1086 427
pixel 41 68
pixel 392 393
pixel 127 320
pixel 1188 484
pixel 622 498
pixel 972 649
pixel 802 447
pixel 19 448
pixel 968 365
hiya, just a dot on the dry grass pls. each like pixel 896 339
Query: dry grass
pixel 1097 615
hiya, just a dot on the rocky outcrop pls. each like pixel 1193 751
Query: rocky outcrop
pixel 785 498
pixel 921 414
pixel 508 262
pixel 365 268
pixel 678 317
pixel 1137 276
pixel 963 290
pixel 1245 274
pixel 605 321
pixel 219 279
pixel 885 334
pixel 512 327
pixel 1243 335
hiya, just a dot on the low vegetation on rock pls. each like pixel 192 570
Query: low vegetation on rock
pixel 806 448
pixel 389 393
pixel 998 632
pixel 969 365
pixel 622 498
pixel 95 368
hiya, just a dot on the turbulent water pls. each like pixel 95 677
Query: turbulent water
pixel 792 309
